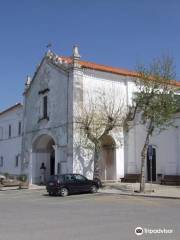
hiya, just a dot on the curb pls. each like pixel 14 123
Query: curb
pixel 19 189
pixel 12 189
pixel 140 195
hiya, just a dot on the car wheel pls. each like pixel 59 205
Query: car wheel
pixel 64 192
pixel 98 181
pixel 94 189
pixel 51 194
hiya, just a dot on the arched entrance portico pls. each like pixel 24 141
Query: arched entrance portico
pixel 108 158
pixel 43 152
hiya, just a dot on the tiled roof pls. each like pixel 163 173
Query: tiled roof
pixel 100 67
pixel 104 68
pixel 109 69
pixel 17 105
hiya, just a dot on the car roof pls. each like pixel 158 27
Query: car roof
pixel 64 174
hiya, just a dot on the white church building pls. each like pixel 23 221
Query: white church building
pixel 41 130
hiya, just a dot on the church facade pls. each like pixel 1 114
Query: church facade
pixel 42 129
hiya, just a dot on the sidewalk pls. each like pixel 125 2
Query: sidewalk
pixel 31 187
pixel 131 189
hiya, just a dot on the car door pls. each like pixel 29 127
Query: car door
pixel 83 184
pixel 71 183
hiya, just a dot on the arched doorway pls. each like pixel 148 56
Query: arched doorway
pixel 43 152
pixel 108 158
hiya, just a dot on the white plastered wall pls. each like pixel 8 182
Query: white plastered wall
pixel 112 85
pixel 10 147
pixel 57 82
pixel 167 147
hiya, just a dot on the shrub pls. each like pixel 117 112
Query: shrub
pixel 23 178
pixel 6 175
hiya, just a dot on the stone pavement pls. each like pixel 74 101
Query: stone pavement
pixel 130 189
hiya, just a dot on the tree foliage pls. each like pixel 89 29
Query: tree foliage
pixel 155 99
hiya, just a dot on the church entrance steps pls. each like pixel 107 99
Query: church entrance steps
pixel 126 187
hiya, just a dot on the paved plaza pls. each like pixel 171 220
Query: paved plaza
pixel 33 215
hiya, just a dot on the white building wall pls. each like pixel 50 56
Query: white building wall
pixel 10 147
pixel 114 86
pixel 95 82
pixel 167 147
pixel 57 126
pixel 65 90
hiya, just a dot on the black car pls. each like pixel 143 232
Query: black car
pixel 66 184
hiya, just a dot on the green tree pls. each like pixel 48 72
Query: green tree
pixel 155 101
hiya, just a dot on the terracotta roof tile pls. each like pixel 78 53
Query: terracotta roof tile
pixel 104 68
pixel 100 67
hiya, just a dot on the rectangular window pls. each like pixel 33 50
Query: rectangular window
pixel 1 161
pixel 1 133
pixel 17 161
pixel 19 128
pixel 45 102
pixel 9 131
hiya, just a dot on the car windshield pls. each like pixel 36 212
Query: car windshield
pixel 80 178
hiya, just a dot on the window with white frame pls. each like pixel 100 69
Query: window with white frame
pixel 1 161
pixel 10 131
pixel 1 133
pixel 19 128
pixel 17 161
pixel 45 107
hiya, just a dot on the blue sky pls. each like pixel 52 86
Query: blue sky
pixel 113 32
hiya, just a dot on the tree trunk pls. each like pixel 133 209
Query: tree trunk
pixel 143 162
pixel 96 173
